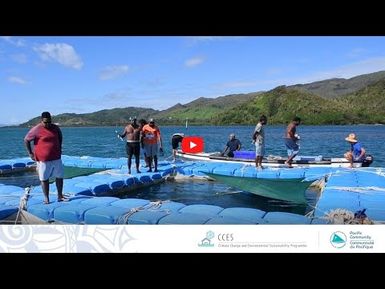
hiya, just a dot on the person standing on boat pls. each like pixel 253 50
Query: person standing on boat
pixel 357 152
pixel 132 133
pixel 48 139
pixel 291 140
pixel 232 145
pixel 176 139
pixel 151 137
pixel 259 141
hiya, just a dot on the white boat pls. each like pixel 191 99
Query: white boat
pixel 248 157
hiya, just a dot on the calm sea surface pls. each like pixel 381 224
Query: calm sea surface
pixel 315 140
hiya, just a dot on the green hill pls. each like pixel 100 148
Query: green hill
pixel 315 103
pixel 335 87
pixel 199 111
pixel 106 117
pixel 280 105
pixel 366 105
pixel 202 110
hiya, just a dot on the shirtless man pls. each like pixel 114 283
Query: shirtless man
pixel 291 139
pixel 132 133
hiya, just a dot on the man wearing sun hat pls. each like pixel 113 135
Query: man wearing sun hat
pixel 357 152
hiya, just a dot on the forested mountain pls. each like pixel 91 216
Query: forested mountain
pixel 360 99
pixel 336 87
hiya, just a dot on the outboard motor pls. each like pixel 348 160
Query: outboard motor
pixel 367 161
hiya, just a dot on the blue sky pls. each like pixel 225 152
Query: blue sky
pixel 86 74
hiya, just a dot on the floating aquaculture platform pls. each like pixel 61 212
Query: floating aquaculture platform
pixel 351 189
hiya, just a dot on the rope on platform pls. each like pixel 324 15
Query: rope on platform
pixel 343 216
pixel 152 206
pixel 23 202
pixel 357 189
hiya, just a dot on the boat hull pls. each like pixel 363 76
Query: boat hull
pixel 277 162
pixel 292 190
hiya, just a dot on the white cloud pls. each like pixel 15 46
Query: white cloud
pixel 369 65
pixel 192 62
pixel 14 41
pixel 353 69
pixel 235 84
pixel 111 72
pixel 17 80
pixel 19 58
pixel 356 52
pixel 62 53
pixel 206 39
pixel 274 71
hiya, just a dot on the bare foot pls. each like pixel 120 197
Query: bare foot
pixel 62 199
pixel 288 165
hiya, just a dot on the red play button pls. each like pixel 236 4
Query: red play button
pixel 192 144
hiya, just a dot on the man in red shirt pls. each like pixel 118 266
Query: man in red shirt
pixel 48 140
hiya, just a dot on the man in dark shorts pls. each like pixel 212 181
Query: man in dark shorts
pixel 291 140
pixel 176 139
pixel 132 133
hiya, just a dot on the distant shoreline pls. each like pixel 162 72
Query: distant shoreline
pixel 208 125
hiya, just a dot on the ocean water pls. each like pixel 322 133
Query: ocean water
pixel 315 140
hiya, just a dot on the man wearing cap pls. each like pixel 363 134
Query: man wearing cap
pixel 232 145
pixel 357 152
pixel 132 133
pixel 47 138
pixel 151 137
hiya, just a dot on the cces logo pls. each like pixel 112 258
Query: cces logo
pixel 228 237
pixel 206 241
